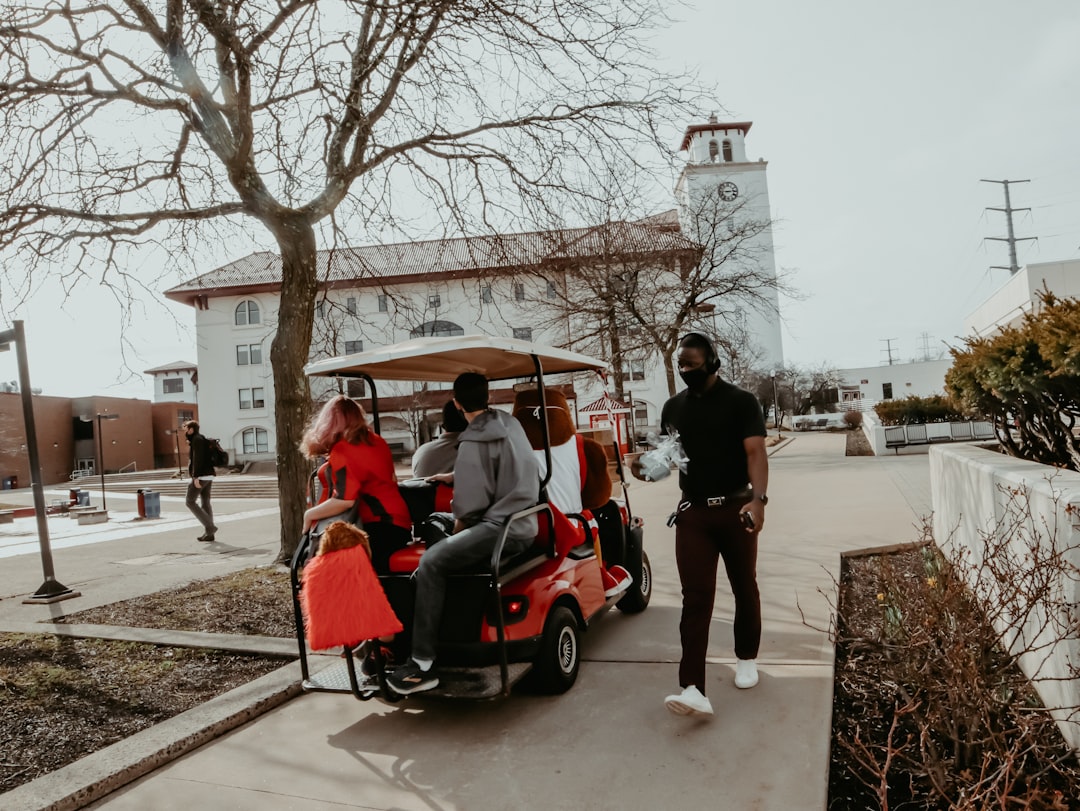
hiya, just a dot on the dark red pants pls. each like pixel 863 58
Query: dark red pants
pixel 702 536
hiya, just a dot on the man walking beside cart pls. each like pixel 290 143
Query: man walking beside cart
pixel 495 475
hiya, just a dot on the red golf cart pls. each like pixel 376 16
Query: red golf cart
pixel 516 616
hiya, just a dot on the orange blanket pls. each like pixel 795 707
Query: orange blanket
pixel 342 601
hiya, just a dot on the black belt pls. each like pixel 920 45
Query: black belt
pixel 741 496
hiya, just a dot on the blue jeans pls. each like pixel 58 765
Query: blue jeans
pixel 205 513
pixel 460 551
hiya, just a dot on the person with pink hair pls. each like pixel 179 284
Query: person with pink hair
pixel 361 473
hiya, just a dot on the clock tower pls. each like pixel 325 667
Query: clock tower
pixel 719 185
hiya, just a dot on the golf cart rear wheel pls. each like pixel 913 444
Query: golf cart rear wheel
pixel 638 595
pixel 557 664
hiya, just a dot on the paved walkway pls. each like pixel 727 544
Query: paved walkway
pixel 607 744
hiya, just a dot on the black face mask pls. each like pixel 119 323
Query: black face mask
pixel 695 379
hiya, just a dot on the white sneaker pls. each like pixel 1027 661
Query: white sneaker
pixel 745 673
pixel 689 702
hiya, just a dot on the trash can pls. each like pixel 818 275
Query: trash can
pixel 84 498
pixel 9 483
pixel 151 504
pixel 140 500
pixel 73 496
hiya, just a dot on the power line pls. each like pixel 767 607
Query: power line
pixel 1012 239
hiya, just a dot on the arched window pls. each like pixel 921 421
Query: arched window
pixel 439 329
pixel 714 150
pixel 727 151
pixel 247 312
pixel 255 440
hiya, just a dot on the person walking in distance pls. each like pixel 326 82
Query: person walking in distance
pixel 721 513
pixel 201 471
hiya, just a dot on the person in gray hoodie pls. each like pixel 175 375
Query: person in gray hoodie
pixel 495 475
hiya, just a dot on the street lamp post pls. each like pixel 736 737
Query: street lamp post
pixel 776 404
pixel 101 448
pixel 175 433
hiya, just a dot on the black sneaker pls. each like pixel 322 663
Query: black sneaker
pixel 409 679
pixel 369 666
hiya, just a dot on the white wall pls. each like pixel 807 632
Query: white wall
pixel 186 395
pixel 221 378
pixel 1019 294
pixel 921 379
pixel 971 496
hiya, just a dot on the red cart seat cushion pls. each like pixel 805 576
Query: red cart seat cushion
pixel 405 561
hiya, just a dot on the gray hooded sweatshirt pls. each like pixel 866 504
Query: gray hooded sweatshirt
pixel 495 474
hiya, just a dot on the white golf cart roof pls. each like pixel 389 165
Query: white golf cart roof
pixel 443 359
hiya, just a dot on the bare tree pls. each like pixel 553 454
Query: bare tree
pixel 129 123
pixel 645 284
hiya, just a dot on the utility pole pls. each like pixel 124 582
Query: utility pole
pixel 925 338
pixel 1011 238
pixel 888 349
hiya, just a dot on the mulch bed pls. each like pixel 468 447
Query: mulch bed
pixel 62 699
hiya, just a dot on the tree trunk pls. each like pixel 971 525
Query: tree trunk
pixel 669 373
pixel 288 355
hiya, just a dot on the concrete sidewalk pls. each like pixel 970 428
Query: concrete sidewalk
pixel 608 743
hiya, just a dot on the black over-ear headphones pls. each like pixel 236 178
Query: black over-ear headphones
pixel 712 360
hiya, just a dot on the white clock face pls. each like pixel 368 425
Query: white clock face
pixel 728 191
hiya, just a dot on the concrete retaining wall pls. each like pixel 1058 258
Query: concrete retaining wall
pixel 979 495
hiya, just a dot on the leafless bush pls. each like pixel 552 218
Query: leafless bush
pixel 933 709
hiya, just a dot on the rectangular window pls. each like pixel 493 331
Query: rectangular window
pixel 523 333
pixel 641 415
pixel 551 291
pixel 634 370
pixel 434 301
pixel 886 391
pixel 519 292
pixel 172 385
pixel 320 308
pixel 249 354
pixel 350 305
pixel 183 415
pixel 383 304
pixel 485 294
pixel 352 347
pixel 252 398
pixel 356 388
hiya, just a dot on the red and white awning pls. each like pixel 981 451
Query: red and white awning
pixel 606 405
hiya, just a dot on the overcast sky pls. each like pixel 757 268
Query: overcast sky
pixel 878 121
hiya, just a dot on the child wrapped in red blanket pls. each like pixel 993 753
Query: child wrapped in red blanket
pixel 342 601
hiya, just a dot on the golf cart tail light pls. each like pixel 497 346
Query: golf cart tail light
pixel 514 609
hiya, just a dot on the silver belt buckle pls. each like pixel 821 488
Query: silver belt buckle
pixel 715 501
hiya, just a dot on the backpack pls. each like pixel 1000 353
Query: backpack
pixel 218 456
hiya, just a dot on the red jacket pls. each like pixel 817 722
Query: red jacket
pixel 367 471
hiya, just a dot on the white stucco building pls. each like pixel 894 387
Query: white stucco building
pixel 175 382
pixel 501 285
pixel 719 183
pixel 1020 295
pixel 862 387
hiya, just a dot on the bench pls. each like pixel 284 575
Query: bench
pixel 89 515
pixel 900 436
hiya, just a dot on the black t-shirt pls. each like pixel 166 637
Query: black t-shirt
pixel 712 426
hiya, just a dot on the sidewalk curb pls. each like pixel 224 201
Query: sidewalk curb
pixel 89 779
